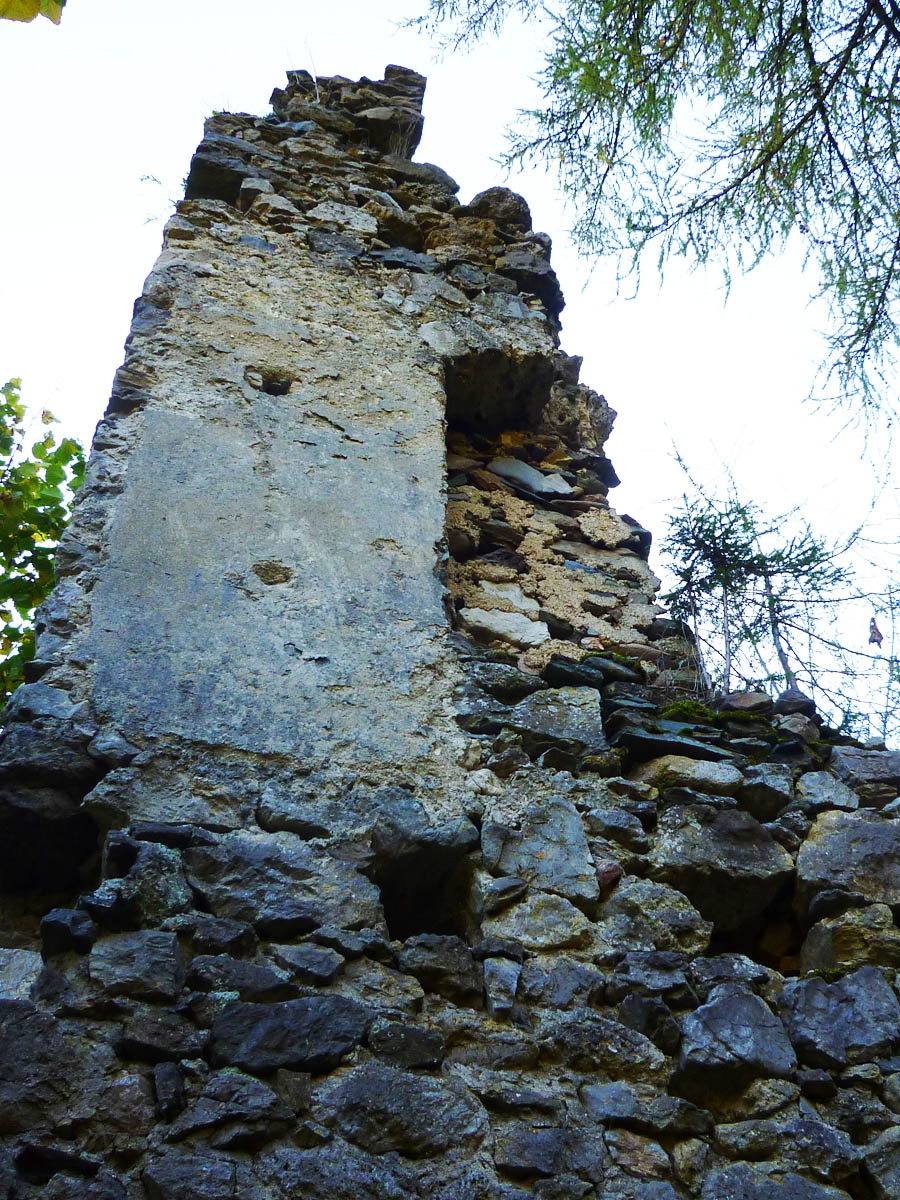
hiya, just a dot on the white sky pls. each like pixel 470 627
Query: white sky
pixel 114 98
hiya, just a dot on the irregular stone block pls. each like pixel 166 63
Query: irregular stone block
pixel 644 915
pixel 590 1041
pixel 385 1110
pixel 766 790
pixel 540 922
pixel 859 937
pixel 147 965
pixel 310 1034
pixel 549 851
pixel 183 1174
pixel 873 774
pixel 832 1025
pixel 726 863
pixel 743 1182
pixel 820 790
pixel 730 1040
pixel 488 625
pixel 567 717
pixel 444 965
pixel 251 980
pixel 19 972
pixel 32 1052
pixel 676 770
pixel 280 885
pixel 240 1113
pixel 857 852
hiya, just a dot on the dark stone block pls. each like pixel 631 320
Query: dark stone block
pixel 444 965
pixel 729 1041
pixel 853 1020
pixel 382 1109
pixel 64 929
pixel 160 1035
pixel 311 1034
pixel 407 1046
pixel 251 980
pixel 168 1087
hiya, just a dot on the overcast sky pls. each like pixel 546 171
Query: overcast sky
pixel 101 115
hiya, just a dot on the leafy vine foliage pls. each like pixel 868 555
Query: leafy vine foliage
pixel 35 506
pixel 27 10
pixel 717 130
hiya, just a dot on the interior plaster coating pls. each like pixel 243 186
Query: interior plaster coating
pixel 361 834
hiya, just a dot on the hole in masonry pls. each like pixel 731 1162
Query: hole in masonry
pixel 273 383
pixel 424 875
pixel 273 386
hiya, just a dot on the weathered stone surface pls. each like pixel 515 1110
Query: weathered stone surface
pixel 383 1109
pixel 160 1035
pixel 251 980
pixel 444 965
pixel 549 851
pixel 873 774
pixel 858 852
pixel 32 1050
pixel 854 938
pixel 503 206
pixel 147 965
pixel 820 790
pixel 733 1038
pixel 280 884
pixel 240 1112
pixel 745 1182
pixel 725 862
pixel 766 790
pixel 568 717
pixel 183 1174
pixel 831 1025
pixel 308 964
pixel 589 1041
pixel 540 922
pixel 311 1034
pixel 675 770
pixel 19 972
pixel 642 914
pixel 489 625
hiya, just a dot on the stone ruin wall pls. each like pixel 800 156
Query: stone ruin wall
pixel 362 837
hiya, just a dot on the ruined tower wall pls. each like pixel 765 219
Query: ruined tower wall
pixel 362 837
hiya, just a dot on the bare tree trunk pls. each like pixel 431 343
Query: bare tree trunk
pixel 726 632
pixel 790 678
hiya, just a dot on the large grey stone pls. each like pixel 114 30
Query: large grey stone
pixel 726 863
pixel 568 717
pixel 857 852
pixel 146 964
pixel 588 1041
pixel 644 915
pixel 820 790
pixel 36 1067
pixel 239 1113
pixel 549 851
pixel 383 1109
pixel 852 1020
pixel 541 921
pixel 873 774
pixel 766 790
pixel 730 1040
pixel 310 1034
pixel 443 964
pixel 281 885
pixel 745 1182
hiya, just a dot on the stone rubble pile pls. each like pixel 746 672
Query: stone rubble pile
pixel 586 936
